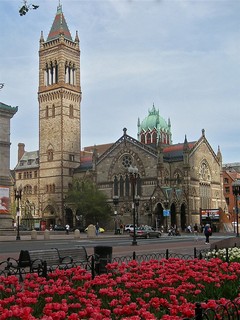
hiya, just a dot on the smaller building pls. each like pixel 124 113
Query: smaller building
pixel 6 113
pixel 231 172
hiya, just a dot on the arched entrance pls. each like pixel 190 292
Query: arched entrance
pixel 69 217
pixel 173 215
pixel 159 218
pixel 49 217
pixel 80 221
pixel 183 218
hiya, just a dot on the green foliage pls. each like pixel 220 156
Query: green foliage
pixel 89 201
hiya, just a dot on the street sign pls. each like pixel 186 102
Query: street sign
pixel 166 213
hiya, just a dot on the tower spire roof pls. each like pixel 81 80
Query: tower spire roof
pixel 59 26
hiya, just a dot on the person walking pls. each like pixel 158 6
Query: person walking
pixel 97 229
pixel 67 227
pixel 121 228
pixel 207 232
pixel 195 231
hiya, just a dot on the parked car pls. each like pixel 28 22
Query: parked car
pixel 23 228
pixel 146 232
pixel 129 227
pixel 58 227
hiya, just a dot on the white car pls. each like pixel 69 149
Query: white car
pixel 129 227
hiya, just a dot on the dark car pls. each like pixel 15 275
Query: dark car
pixel 146 232
pixel 23 228
pixel 58 227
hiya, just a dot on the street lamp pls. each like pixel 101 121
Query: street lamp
pixel 18 196
pixel 137 202
pixel 236 192
pixel 133 171
pixel 115 201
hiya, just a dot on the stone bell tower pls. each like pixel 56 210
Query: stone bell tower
pixel 59 97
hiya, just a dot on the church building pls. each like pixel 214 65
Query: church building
pixel 165 183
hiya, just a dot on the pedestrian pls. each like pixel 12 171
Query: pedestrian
pixel 97 229
pixel 195 231
pixel 121 228
pixel 67 227
pixel 207 232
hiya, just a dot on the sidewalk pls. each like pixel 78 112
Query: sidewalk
pixel 185 245
pixel 41 235
pixel 50 235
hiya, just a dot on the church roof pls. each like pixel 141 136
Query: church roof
pixel 154 121
pixel 29 160
pixel 59 27
pixel 174 152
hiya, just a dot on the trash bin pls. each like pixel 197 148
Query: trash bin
pixel 103 256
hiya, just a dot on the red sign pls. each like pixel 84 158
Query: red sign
pixel 4 200
pixel 213 214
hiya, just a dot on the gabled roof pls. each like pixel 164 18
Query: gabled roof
pixel 234 166
pixel 126 138
pixel 59 27
pixel 29 160
pixel 171 153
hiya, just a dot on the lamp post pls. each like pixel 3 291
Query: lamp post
pixel 236 192
pixel 18 196
pixel 133 171
pixel 115 201
pixel 137 202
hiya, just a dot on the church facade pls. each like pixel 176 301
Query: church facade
pixel 173 183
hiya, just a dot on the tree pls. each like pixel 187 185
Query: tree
pixel 89 201
pixel 26 7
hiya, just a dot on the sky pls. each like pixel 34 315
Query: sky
pixel 182 56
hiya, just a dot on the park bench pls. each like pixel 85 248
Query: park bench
pixel 39 261
pixel 78 256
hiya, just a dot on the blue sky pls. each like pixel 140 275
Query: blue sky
pixel 183 56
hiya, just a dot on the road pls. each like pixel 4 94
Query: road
pixel 121 244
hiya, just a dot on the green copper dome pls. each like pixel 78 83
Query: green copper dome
pixel 154 121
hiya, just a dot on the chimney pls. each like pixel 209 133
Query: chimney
pixel 21 150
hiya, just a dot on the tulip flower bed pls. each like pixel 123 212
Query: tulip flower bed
pixel 165 289
pixel 233 254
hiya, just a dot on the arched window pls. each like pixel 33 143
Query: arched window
pixel 127 185
pixel 115 186
pixel 154 137
pixel 70 73
pixel 121 186
pixel 27 189
pixel 148 138
pixel 50 155
pixel 51 73
pixel 204 172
